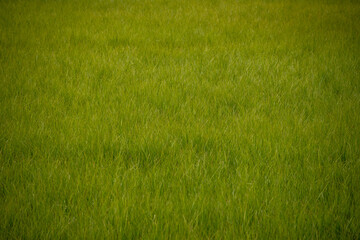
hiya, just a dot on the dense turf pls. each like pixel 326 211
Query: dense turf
pixel 179 119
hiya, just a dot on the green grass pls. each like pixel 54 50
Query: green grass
pixel 169 119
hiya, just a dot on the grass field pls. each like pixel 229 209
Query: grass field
pixel 169 119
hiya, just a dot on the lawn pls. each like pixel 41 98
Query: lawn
pixel 170 119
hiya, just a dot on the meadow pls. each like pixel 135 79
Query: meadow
pixel 179 119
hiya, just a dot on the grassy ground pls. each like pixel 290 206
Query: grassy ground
pixel 179 119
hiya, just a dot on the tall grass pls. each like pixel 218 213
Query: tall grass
pixel 162 119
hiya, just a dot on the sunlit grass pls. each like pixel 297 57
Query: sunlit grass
pixel 179 119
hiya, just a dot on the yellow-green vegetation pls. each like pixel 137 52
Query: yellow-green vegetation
pixel 169 119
